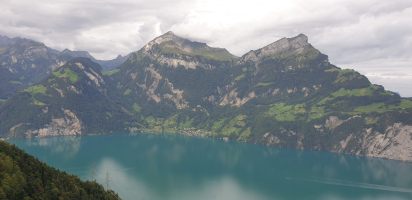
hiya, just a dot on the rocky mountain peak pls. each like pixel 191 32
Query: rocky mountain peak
pixel 79 71
pixel 84 54
pixel 285 46
pixel 18 45
pixel 169 33
pixel 170 45
pixel 66 51
pixel 27 43
pixel 167 37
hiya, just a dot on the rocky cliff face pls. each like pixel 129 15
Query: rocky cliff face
pixel 285 47
pixel 394 143
pixel 171 73
pixel 72 101
pixel 69 124
pixel 285 94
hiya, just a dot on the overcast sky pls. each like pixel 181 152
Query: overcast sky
pixel 371 36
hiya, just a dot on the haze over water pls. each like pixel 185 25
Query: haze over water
pixel 151 167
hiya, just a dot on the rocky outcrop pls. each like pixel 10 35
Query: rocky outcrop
pixel 92 75
pixel 233 99
pixel 69 124
pixel 394 143
pixel 295 45
pixel 174 51
pixel 332 122
pixel 270 139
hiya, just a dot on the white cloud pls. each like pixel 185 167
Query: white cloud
pixel 351 32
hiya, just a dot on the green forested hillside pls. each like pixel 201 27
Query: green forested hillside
pixel 22 177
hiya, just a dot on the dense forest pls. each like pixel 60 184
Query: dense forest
pixel 23 177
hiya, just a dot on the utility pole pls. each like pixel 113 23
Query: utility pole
pixel 107 180
pixel 93 172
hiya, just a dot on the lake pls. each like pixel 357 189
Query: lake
pixel 166 167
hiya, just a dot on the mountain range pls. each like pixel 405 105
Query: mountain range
pixel 286 94
pixel 24 62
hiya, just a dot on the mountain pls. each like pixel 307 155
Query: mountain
pixel 71 101
pixel 285 94
pixel 24 62
pixel 24 177
pixel 171 73
pixel 106 65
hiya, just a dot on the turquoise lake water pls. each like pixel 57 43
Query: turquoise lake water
pixel 152 167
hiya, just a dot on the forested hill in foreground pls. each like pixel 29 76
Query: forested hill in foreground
pixel 22 177
pixel 285 94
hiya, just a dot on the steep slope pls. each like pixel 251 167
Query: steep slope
pixel 24 177
pixel 72 101
pixel 24 62
pixel 290 95
pixel 171 73
pixel 285 94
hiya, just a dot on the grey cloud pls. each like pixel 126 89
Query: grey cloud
pixel 125 24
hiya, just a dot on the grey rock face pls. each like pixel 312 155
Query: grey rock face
pixel 65 126
pixel 281 48
pixel 394 143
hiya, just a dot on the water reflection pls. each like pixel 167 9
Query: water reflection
pixel 119 179
pixel 68 146
pixel 111 174
pixel 167 167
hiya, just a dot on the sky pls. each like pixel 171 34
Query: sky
pixel 371 36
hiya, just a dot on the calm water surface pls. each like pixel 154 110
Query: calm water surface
pixel 148 167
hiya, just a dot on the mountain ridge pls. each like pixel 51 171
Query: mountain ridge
pixel 107 65
pixel 24 62
pixel 285 94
